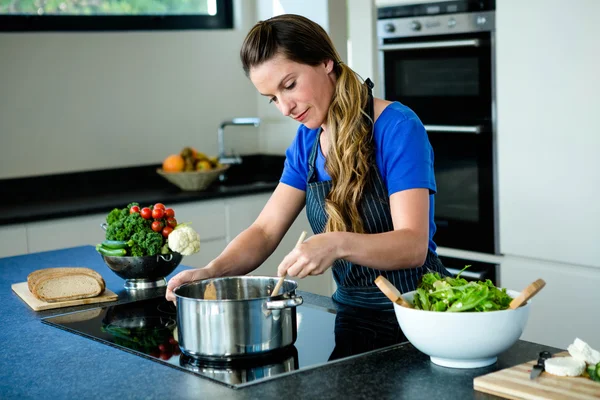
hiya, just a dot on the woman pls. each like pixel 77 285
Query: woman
pixel 362 166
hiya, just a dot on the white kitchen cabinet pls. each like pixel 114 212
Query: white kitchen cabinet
pixel 65 232
pixel 242 211
pixel 207 218
pixel 565 309
pixel 209 250
pixel 13 240
pixel 548 135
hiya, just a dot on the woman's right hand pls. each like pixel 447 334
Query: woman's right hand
pixel 184 277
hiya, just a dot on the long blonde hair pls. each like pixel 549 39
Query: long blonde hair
pixel 349 129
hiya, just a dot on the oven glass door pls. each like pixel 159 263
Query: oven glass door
pixel 445 80
pixel 464 202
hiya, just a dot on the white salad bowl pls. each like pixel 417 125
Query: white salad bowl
pixel 462 339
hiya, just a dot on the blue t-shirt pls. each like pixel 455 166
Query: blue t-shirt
pixel 403 156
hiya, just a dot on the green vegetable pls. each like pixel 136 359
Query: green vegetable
pixel 435 293
pixel 110 252
pixel 594 372
pixel 146 242
pixel 117 244
pixel 124 226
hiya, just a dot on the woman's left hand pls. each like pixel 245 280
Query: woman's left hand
pixel 311 257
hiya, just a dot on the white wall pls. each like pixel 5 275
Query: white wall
pixel 82 101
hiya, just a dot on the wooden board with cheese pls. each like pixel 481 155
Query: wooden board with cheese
pixel 514 383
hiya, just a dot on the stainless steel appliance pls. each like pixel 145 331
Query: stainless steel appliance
pixel 438 59
pixel 251 321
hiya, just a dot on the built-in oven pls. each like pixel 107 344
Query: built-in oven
pixel 438 60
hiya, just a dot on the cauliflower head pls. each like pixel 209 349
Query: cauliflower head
pixel 184 240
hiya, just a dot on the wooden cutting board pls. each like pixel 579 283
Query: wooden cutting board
pixel 36 304
pixel 514 383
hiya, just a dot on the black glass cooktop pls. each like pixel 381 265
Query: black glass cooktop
pixel 145 328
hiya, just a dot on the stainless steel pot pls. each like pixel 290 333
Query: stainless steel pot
pixel 235 316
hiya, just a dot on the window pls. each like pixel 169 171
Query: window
pixel 114 15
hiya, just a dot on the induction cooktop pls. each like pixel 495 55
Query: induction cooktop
pixel 145 328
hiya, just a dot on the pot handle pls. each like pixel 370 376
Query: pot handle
pixel 285 303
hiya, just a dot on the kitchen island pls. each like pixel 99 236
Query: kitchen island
pixel 40 361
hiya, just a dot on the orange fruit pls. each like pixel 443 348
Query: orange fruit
pixel 173 163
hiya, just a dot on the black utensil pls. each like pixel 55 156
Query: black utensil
pixel 539 367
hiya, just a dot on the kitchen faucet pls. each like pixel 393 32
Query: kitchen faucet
pixel 232 159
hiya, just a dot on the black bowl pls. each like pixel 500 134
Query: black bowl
pixel 144 272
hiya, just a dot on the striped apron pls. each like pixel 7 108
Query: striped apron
pixel 356 283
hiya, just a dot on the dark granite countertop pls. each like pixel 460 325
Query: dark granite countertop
pixel 41 361
pixel 80 193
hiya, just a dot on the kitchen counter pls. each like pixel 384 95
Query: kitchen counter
pixel 82 193
pixel 41 361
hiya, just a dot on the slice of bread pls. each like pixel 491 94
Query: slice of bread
pixel 59 284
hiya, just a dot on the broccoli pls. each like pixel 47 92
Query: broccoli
pixel 123 225
pixel 147 242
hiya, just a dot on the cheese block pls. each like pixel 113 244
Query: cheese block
pixel 564 366
pixel 59 284
pixel 581 350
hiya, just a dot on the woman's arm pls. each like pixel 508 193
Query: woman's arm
pixel 404 247
pixel 254 245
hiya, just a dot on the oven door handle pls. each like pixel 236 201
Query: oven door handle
pixel 475 130
pixel 431 45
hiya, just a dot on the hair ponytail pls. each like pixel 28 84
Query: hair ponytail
pixel 351 152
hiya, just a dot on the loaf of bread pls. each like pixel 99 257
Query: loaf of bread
pixel 59 284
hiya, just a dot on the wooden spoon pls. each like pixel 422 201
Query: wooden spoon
pixel 278 286
pixel 391 292
pixel 531 290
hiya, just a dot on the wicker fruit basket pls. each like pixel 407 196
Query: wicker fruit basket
pixel 193 180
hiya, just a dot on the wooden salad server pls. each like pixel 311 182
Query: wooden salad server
pixel 531 290
pixel 280 282
pixel 391 292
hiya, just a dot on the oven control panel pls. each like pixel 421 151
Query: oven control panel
pixel 444 24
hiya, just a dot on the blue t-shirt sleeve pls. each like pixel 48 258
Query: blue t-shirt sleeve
pixel 406 156
pixel 295 168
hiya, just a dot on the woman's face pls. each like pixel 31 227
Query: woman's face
pixel 300 91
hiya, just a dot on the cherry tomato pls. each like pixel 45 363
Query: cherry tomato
pixel 134 209
pixel 159 205
pixel 155 354
pixel 166 231
pixel 158 213
pixel 146 213
pixel 165 356
pixel 169 213
pixel 172 222
pixel 162 348
pixel 172 340
pixel 157 226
